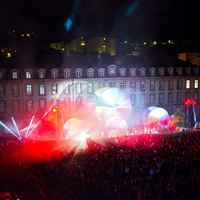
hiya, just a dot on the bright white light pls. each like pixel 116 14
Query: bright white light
pixel 28 132
pixel 113 97
pixel 8 129
pixel 187 84
pixel 154 42
pixel 196 84
pixel 81 139
pixel 16 127
pixel 158 113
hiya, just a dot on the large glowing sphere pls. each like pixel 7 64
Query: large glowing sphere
pixel 157 115
pixel 113 97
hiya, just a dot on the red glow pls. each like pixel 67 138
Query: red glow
pixel 189 102
pixel 69 126
pixel 55 110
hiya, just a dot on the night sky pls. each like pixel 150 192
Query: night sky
pixel 136 19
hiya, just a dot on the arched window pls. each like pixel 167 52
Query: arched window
pixel 152 71
pixel 161 71
pixel 90 72
pixel 122 71
pixel 170 70
pixel 14 75
pixel 41 73
pixel 112 70
pixel 78 73
pixel 142 71
pixel 67 73
pixel 132 71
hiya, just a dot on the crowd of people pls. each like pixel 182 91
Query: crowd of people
pixel 168 171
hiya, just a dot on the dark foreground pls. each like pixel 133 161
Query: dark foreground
pixel 170 171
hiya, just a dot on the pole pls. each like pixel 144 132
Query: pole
pixel 194 114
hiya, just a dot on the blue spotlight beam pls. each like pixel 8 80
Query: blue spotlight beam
pixel 8 129
pixel 29 127
pixel 69 23
pixel 16 127
pixel 70 20
pixel 132 7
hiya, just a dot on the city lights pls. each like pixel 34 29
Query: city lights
pixel 83 44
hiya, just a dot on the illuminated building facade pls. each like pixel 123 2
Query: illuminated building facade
pixel 27 91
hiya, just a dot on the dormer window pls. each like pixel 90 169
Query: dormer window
pixel 101 72
pixel 161 71
pixel 152 71
pixel 14 75
pixel 170 70
pixel 122 71
pixel 112 70
pixel 54 73
pixel 67 72
pixel 133 71
pixel 28 75
pixel 142 71
pixel 41 74
pixel 78 73
pixel 90 72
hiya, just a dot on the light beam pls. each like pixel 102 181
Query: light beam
pixel 8 129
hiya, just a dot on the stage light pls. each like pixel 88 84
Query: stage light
pixel 189 102
pixel 155 43
pixel 68 24
pixel 83 43
pixel 29 129
pixel 9 130
pixel 55 110
pixel 16 127
pixel 113 97
pixel 82 140
pixel 8 55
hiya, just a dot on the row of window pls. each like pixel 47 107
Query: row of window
pixel 28 106
pixel 78 87
pixel 111 70
pixel 138 100
pixel 55 74
pixel 161 98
